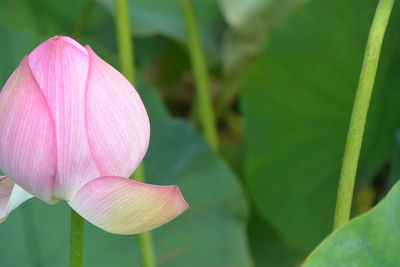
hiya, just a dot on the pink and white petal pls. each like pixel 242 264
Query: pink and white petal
pixel 116 120
pixel 11 196
pixel 27 137
pixel 60 65
pixel 123 206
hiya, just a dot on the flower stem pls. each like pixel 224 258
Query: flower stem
pixel 359 114
pixel 145 242
pixel 204 105
pixel 76 249
pixel 147 256
pixel 126 59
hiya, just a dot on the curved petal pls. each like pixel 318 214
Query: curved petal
pixel 123 206
pixel 11 196
pixel 27 138
pixel 60 66
pixel 117 124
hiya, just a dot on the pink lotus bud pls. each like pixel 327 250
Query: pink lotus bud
pixel 73 128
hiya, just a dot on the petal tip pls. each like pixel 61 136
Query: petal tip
pixel 180 198
pixel 11 196
pixel 72 42
pixel 3 216
pixel 59 41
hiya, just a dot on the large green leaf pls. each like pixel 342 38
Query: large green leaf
pixel 211 233
pixel 370 240
pixel 268 248
pixel 14 46
pixel 152 17
pixel 297 106
pixel 250 23
pixel 46 18
pixel 41 16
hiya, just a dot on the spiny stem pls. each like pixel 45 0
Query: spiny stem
pixel 359 114
pixel 204 105
pixel 127 62
pixel 77 232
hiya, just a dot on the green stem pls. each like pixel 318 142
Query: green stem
pixel 204 105
pixel 76 249
pixel 147 256
pixel 126 59
pixel 359 114
pixel 80 26
pixel 125 43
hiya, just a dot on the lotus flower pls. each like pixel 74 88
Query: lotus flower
pixel 73 128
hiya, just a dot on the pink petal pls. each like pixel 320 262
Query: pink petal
pixel 11 196
pixel 60 66
pixel 72 42
pixel 27 138
pixel 123 206
pixel 116 120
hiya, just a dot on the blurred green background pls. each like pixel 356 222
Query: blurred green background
pixel 283 75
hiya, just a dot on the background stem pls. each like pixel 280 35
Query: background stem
pixel 80 26
pixel 359 114
pixel 76 248
pixel 204 105
pixel 124 38
pixel 127 64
